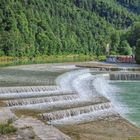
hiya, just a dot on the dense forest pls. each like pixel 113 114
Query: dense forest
pixel 57 27
pixel 131 5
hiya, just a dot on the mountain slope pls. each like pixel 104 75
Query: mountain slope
pixel 50 27
pixel 131 5
pixel 111 11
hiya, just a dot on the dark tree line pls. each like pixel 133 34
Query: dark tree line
pixel 132 5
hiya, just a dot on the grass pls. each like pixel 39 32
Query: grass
pixel 8 61
pixel 7 128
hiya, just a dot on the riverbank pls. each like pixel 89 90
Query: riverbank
pixel 110 128
pixel 12 61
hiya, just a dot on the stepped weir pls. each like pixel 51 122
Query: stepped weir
pixel 125 76
pixel 38 100
pixel 77 97
pixel 74 111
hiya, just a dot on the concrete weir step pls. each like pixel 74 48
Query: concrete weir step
pixel 32 101
pixel 59 105
pixel 79 114
pixel 125 76
pixel 31 92
pixel 74 111
pixel 20 89
pixel 85 117
pixel 32 95
pixel 44 132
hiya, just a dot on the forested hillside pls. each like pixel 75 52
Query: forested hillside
pixel 131 5
pixel 56 27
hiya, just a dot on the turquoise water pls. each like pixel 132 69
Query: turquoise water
pixel 128 97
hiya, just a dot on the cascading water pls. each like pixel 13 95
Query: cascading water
pixel 63 104
pixel 75 111
pixel 77 97
pixel 26 89
pixel 83 85
pixel 65 81
pixel 125 76
pixel 87 86
pixel 85 117
pixel 123 95
pixel 79 115
pixel 38 100
pixel 78 93
pixel 32 94
pixel 103 87
pixel 79 81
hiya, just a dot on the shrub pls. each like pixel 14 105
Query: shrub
pixel 102 58
pixel 7 128
pixel 113 53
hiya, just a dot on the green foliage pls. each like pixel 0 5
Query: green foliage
pixel 102 58
pixel 110 10
pixel 7 128
pixel 113 53
pixel 138 52
pixel 134 34
pixel 31 28
pixel 124 48
pixel 133 5
pixel 8 61
pixel 115 41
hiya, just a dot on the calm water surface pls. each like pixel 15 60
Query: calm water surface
pixel 129 98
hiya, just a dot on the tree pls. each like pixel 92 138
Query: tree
pixel 137 54
pixel 134 34
pixel 115 41
pixel 125 48
pixel 54 27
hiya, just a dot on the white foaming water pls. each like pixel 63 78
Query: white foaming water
pixel 83 85
pixel 30 89
pixel 104 88
pixel 87 117
pixel 88 87
pixel 75 111
pixel 65 81
pixel 30 94
pixel 52 105
pixel 28 101
pixel 84 89
pixel 102 85
pixel 79 81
